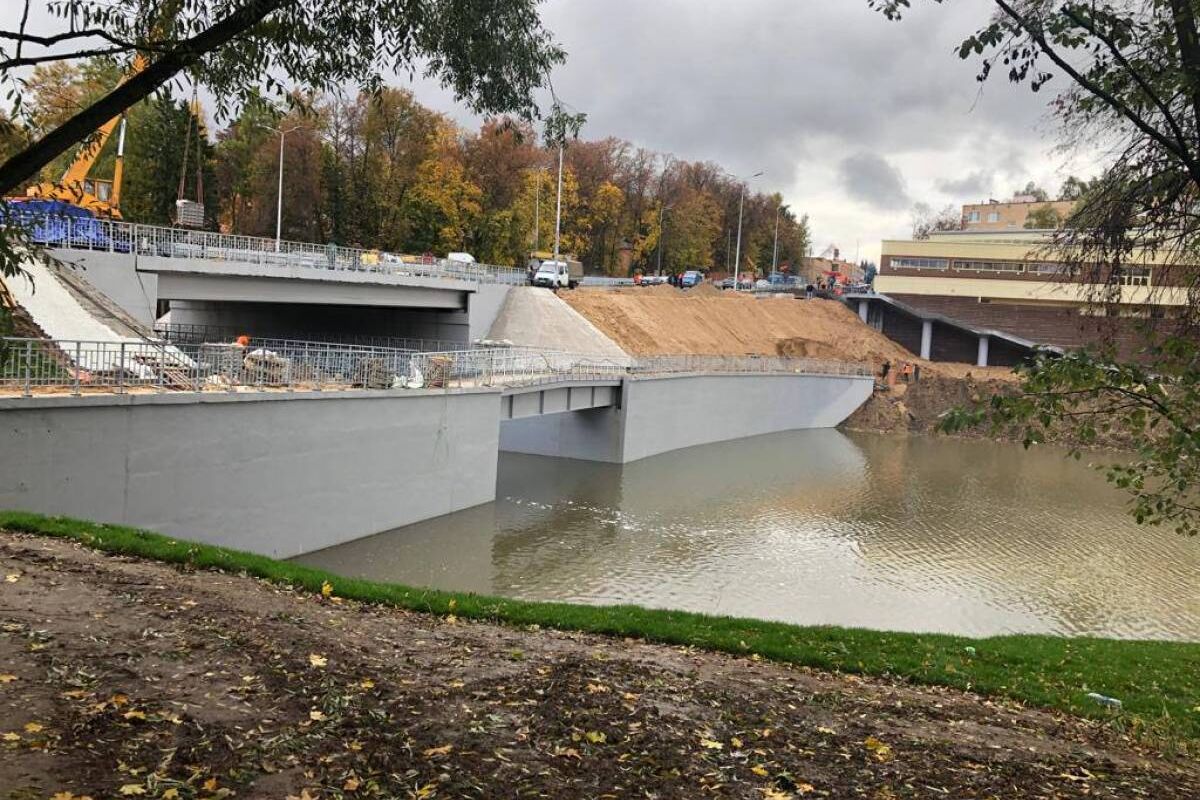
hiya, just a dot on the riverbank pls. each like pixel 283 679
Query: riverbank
pixel 198 677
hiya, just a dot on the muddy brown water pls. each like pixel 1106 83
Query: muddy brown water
pixel 815 527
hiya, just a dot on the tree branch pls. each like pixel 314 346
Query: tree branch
pixel 1121 108
pixel 1189 49
pixel 26 163
pixel 29 61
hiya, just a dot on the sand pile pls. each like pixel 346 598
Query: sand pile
pixel 650 322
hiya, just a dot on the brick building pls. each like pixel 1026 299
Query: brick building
pixel 1003 280
pixel 1010 215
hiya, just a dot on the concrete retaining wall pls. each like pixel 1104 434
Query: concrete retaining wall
pixel 658 415
pixel 116 275
pixel 274 474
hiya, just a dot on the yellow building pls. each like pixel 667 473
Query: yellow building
pixel 1011 215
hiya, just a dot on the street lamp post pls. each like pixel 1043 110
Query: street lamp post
pixel 279 191
pixel 737 252
pixel 558 204
pixel 661 236
pixel 775 248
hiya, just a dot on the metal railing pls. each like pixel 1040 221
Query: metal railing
pixel 54 230
pixel 189 333
pixel 746 365
pixel 55 366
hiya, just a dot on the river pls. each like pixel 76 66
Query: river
pixel 815 527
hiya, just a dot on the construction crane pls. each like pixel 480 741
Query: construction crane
pixel 101 197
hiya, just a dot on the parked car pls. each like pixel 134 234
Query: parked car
pixel 692 278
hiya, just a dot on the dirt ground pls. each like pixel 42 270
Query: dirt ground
pixel 661 320
pixel 121 678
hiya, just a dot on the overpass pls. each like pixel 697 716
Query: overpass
pixel 285 287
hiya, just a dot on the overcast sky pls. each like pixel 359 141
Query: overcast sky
pixel 853 118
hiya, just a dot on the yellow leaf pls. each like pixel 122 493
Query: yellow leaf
pixel 12 577
pixel 760 770
pixel 351 785
pixel 881 751
pixel 427 790
pixel 34 727
pixel 451 619
pixel 439 751
pixel 804 788
pixel 210 785
pixel 134 714
pixel 317 716
pixel 711 744
pixel 596 737
pixel 326 589
pixel 355 745
pixel 11 737
pixel 170 794
pixel 317 660
pixel 827 731
pixel 597 688
pixel 735 742
pixel 6 678
pixel 453 604
pixel 132 788
pixel 62 796
pixel 366 683
pixel 119 699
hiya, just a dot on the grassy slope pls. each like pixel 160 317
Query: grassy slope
pixel 1158 682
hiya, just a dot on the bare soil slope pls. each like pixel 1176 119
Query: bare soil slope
pixel 123 678
pixel 662 320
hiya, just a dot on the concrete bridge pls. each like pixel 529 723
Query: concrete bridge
pixel 285 468
pixel 220 280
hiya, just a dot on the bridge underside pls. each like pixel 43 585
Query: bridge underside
pixel 535 401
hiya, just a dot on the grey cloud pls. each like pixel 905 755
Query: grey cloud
pixel 973 185
pixel 870 179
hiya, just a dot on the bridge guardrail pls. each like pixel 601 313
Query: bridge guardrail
pixel 53 230
pixel 57 366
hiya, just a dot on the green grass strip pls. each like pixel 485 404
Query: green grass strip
pixel 1158 682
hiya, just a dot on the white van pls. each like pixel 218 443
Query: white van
pixel 558 274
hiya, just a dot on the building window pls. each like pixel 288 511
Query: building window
pixel 1047 268
pixel 993 216
pixel 973 216
pixel 919 263
pixel 1135 276
pixel 989 266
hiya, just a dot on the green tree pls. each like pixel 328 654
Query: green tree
pixel 154 163
pixel 1043 218
pixel 1133 77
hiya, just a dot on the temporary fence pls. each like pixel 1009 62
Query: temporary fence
pixel 56 366
pixel 55 230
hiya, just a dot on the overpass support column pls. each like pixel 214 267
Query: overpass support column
pixel 926 338
pixel 982 360
pixel 863 306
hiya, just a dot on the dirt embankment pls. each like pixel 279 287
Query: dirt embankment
pixel 122 678
pixel 661 320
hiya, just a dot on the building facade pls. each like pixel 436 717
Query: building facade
pixel 1009 281
pixel 1011 215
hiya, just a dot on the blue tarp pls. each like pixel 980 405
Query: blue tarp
pixel 52 222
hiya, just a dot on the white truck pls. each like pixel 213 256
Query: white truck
pixel 561 274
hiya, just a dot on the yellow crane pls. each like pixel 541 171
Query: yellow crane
pixel 101 197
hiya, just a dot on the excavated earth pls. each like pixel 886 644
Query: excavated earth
pixel 122 678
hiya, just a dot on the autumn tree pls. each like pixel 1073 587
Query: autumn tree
pixel 926 221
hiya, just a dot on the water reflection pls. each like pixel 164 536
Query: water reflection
pixel 815 527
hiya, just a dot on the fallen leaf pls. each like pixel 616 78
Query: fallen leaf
pixel 366 683
pixel 6 678
pixel 132 788
pixel 735 742
pixel 210 785
pixel 317 660
pixel 451 619
pixel 34 727
pixel 62 796
pixel 827 731
pixel 11 737
pixel 711 744
pixel 760 770
pixel 170 794
pixel 596 737
pixel 439 751
pixel 881 751
pixel 597 688
pixel 425 791
pixel 134 714
pixel 326 589
pixel 12 577
pixel 351 785
pixel 119 699
pixel 317 716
